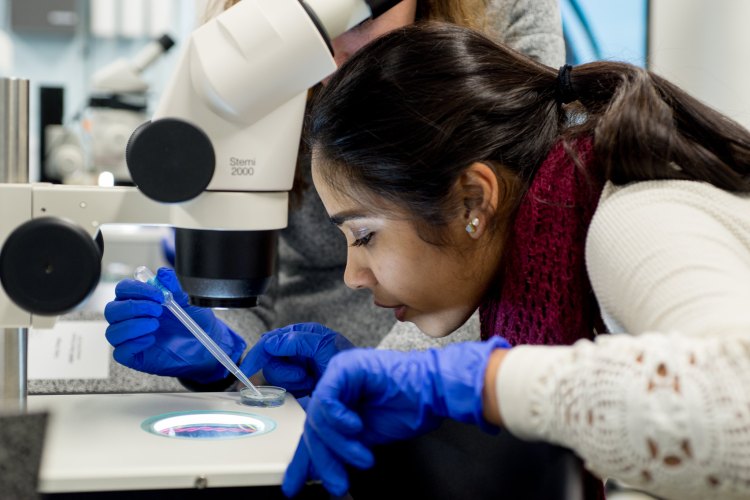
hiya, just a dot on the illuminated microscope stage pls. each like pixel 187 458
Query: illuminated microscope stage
pixel 112 442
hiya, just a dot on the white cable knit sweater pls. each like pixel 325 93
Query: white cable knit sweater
pixel 665 404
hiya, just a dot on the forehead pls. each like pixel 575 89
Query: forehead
pixel 331 182
pixel 342 195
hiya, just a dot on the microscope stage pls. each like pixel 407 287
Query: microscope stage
pixel 96 442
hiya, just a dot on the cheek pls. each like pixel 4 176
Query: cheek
pixel 413 278
pixel 393 270
pixel 398 274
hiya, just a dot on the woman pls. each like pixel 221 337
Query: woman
pixel 461 174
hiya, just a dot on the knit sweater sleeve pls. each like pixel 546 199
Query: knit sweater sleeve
pixel 665 407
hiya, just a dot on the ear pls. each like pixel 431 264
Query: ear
pixel 480 190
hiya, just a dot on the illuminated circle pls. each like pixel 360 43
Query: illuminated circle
pixel 199 424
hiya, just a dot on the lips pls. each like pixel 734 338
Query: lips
pixel 398 310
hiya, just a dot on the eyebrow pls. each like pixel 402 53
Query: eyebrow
pixel 346 215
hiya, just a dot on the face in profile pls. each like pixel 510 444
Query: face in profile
pixel 434 287
pixel 402 14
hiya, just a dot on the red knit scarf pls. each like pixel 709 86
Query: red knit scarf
pixel 544 296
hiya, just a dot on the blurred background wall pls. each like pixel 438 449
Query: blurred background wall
pixel 701 45
pixel 61 43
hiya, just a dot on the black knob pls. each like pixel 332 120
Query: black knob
pixel 170 160
pixel 49 265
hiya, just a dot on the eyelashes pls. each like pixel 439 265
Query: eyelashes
pixel 363 241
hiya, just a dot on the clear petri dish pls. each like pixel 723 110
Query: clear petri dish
pixel 203 424
pixel 270 395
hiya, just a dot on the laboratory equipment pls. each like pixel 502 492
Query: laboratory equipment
pixel 231 118
pixel 117 105
pixel 94 142
pixel 266 396
pixel 105 443
pixel 14 168
pixel 123 77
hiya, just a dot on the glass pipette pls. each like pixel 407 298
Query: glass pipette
pixel 145 275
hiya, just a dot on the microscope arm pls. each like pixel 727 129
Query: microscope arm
pixel 51 244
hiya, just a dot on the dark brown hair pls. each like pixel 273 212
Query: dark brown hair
pixel 405 116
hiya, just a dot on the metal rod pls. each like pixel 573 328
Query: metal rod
pixel 14 352
pixel 14 130
pixel 14 168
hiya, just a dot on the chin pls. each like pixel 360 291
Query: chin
pixel 435 328
pixel 440 323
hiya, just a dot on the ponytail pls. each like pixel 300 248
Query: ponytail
pixel 646 128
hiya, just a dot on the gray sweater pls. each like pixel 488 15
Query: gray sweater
pixel 309 284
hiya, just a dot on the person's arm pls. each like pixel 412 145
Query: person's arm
pixel 533 27
pixel 665 411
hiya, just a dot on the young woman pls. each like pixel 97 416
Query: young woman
pixel 463 174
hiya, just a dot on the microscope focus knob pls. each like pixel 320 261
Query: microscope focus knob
pixel 49 265
pixel 170 160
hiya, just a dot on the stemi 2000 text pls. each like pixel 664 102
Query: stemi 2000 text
pixel 242 166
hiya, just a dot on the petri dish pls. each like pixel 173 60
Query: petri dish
pixel 270 396
pixel 205 424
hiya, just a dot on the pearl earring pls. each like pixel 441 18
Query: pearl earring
pixel 471 227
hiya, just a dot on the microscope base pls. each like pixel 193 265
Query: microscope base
pixel 94 442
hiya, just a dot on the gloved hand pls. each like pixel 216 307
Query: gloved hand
pixel 147 336
pixel 368 397
pixel 295 356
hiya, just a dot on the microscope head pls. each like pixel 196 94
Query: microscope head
pixel 221 148
pixel 229 124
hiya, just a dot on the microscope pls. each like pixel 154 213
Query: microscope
pixel 216 162
pixel 90 149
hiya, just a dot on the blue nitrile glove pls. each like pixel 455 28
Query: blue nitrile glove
pixel 147 336
pixel 295 356
pixel 368 397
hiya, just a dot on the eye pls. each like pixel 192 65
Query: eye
pixel 363 241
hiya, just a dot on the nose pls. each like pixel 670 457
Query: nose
pixel 357 273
